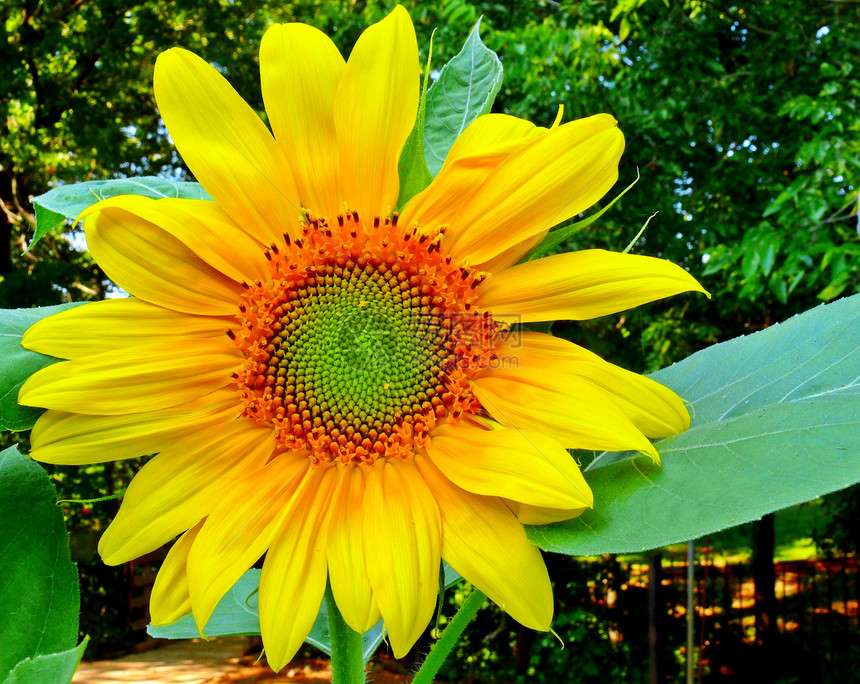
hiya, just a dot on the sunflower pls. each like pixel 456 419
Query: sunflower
pixel 331 384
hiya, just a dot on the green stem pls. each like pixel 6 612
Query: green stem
pixel 347 657
pixel 430 667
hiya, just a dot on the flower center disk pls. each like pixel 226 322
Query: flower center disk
pixel 361 340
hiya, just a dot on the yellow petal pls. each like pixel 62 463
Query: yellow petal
pixel 147 261
pixel 299 69
pixel 483 541
pixel 582 285
pixel 402 549
pixel 203 227
pixel 569 409
pixel 513 254
pixel 239 530
pixel 526 466
pixel 181 485
pixel 226 145
pixel 170 598
pixel 491 137
pixel 113 324
pixel 155 377
pixel 541 183
pixel 293 580
pixel 377 102
pixel 654 409
pixel 537 515
pixel 76 439
pixel 346 567
pixel 486 143
pixel 556 177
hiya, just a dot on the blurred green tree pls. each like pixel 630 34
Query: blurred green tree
pixel 743 122
pixel 77 105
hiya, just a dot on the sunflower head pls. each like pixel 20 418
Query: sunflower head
pixel 356 348
pixel 329 384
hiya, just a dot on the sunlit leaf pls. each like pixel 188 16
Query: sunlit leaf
pixel 39 596
pixel 17 364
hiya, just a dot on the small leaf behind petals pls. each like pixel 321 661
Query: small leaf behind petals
pixel 68 201
pixel 465 89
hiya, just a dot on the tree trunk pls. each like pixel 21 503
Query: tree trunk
pixel 5 226
pixel 764 576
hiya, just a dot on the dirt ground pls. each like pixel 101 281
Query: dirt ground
pixel 228 660
pixel 307 671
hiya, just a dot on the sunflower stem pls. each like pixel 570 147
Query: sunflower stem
pixel 347 655
pixel 450 635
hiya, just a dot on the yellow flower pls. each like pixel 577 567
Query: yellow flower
pixel 329 384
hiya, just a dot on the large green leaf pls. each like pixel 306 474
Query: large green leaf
pixel 39 598
pixel 465 89
pixel 17 364
pixel 68 201
pixel 776 421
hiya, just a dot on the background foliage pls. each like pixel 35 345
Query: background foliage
pixel 742 121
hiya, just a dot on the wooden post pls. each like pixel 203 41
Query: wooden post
pixel 691 609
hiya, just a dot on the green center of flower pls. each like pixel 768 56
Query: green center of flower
pixel 357 352
pixel 356 346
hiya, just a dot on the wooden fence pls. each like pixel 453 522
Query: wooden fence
pixel 817 619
